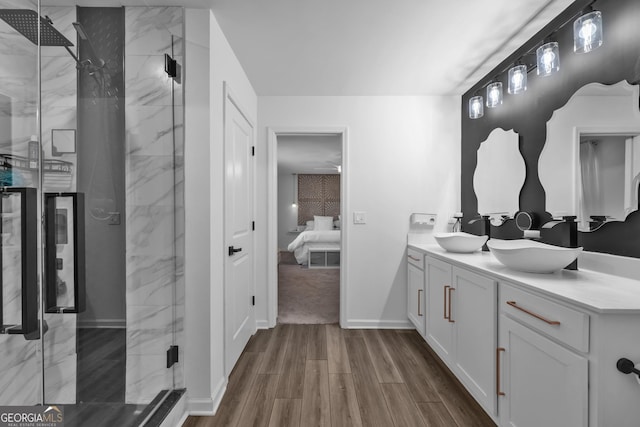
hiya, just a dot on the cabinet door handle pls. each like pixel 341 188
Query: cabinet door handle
pixel 419 298
pixel 498 391
pixel 450 319
pixel 444 309
pixel 530 313
pixel 413 258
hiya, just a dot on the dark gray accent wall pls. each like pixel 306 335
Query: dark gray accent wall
pixel 101 162
pixel 527 114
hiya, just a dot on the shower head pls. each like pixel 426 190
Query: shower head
pixel 25 21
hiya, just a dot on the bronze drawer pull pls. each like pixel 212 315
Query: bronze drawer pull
pixel 419 298
pixel 450 319
pixel 530 313
pixel 445 302
pixel 414 258
pixel 498 391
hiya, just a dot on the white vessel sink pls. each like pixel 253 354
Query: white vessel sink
pixel 531 256
pixel 460 242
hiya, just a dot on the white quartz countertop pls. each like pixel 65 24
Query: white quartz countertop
pixel 599 292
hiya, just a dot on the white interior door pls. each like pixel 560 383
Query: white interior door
pixel 239 252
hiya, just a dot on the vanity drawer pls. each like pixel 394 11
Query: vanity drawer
pixel 558 321
pixel 416 258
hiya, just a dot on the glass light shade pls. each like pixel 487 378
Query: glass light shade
pixel 476 107
pixel 494 94
pixel 517 79
pixel 587 32
pixel 548 56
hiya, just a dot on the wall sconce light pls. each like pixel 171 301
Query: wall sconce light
pixel 476 107
pixel 494 94
pixel 548 58
pixel 294 204
pixel 517 79
pixel 587 32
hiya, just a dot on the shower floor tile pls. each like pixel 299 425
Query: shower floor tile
pixel 101 365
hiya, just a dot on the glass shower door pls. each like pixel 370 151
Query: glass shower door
pixel 20 309
pixel 91 200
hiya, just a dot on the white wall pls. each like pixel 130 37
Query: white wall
pixel 287 214
pixel 209 63
pixel 404 157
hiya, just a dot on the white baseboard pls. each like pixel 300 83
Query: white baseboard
pixel 208 406
pixel 378 324
pixel 262 324
pixel 218 393
pixel 103 323
pixel 200 407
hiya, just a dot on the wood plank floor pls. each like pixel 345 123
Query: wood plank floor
pixel 321 375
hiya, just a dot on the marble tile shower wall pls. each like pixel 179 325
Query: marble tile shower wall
pixel 19 359
pixel 154 199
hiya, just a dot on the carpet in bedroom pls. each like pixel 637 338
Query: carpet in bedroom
pixel 308 296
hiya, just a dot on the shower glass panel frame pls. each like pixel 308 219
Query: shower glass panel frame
pixel 21 351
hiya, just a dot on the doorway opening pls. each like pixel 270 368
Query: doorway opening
pixel 309 169
pixel 307 234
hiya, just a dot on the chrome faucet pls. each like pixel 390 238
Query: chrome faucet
pixel 566 235
pixel 486 228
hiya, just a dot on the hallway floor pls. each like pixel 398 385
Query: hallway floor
pixel 308 295
pixel 321 375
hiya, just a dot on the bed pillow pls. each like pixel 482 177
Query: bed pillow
pixel 323 222
pixel 310 225
pixel 336 224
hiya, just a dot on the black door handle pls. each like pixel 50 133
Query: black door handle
pixel 28 200
pixel 233 250
pixel 53 227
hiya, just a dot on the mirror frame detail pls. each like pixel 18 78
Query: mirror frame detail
pixel 527 114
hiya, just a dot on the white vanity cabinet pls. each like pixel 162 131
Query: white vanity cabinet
pixel 461 326
pixel 533 349
pixel 415 290
pixel 536 371
pixel 439 333
pixel 562 358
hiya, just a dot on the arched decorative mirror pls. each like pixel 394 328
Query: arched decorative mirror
pixel 499 175
pixel 590 164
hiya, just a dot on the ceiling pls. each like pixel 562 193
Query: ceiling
pixel 376 47
pixel 312 154
pixel 367 47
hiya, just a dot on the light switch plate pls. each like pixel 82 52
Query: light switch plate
pixel 359 217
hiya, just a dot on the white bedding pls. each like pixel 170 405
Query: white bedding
pixel 324 238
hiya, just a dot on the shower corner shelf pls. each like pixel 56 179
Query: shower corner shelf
pixel 57 173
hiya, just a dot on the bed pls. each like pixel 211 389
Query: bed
pixel 318 239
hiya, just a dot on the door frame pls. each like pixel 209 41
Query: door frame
pixel 272 213
pixel 230 97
